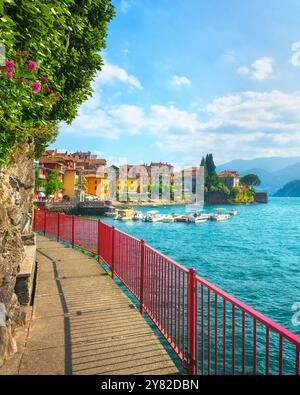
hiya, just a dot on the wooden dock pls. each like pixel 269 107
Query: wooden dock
pixel 83 323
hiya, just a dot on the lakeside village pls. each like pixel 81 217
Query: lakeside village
pixel 64 178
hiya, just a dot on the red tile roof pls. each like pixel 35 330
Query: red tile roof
pixel 229 173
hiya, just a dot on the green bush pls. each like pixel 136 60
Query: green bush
pixel 52 55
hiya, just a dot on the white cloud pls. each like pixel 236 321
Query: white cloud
pixel 179 81
pixel 261 69
pixel 244 124
pixel 111 73
pixel 296 56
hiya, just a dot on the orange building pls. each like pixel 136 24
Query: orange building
pixel 97 186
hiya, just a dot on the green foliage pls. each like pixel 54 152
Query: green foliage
pixel 210 165
pixel 242 195
pixel 64 39
pixel 203 163
pixel 251 180
pixel 53 184
pixel 214 185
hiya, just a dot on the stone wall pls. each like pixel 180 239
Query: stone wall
pixel 261 197
pixel 16 214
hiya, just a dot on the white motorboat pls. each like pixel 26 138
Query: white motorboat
pixel 220 217
pixel 167 218
pixel 200 220
pixel 180 218
pixel 138 216
pixel 153 216
pixel 112 213
pixel 232 212
pixel 124 215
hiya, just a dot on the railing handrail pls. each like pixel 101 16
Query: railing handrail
pixel 252 312
pixel 167 291
pixel 170 260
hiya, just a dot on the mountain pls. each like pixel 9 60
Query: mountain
pixel 268 164
pixel 274 172
pixel 291 189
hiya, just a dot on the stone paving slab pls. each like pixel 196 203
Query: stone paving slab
pixel 84 324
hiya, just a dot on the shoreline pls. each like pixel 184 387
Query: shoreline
pixel 129 205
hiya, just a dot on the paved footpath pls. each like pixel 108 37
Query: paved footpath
pixel 83 323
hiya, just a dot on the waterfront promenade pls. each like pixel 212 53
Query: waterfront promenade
pixel 83 323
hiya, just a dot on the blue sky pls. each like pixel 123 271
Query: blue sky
pixel 186 77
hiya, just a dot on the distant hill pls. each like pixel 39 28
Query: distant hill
pixel 291 189
pixel 268 164
pixel 274 172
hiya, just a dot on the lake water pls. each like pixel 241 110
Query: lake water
pixel 255 255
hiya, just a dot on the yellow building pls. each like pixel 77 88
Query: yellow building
pixel 97 186
pixel 127 188
pixel 70 182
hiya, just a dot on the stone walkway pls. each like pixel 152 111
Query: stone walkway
pixel 82 323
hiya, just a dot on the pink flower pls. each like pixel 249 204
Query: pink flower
pixel 44 79
pixel 36 87
pixel 10 65
pixel 31 65
pixel 9 75
pixel 48 90
pixel 21 80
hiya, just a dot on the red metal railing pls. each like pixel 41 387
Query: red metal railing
pixel 210 331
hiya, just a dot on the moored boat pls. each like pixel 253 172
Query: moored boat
pixel 232 212
pixel 153 216
pixel 167 218
pixel 220 217
pixel 111 213
pixel 138 215
pixel 124 215
pixel 200 220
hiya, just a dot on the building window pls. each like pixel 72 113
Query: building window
pixel 95 188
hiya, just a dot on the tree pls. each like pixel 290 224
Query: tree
pixel 52 55
pixel 54 184
pixel 210 165
pixel 251 180
pixel 203 163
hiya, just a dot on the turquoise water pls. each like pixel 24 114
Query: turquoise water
pixel 255 255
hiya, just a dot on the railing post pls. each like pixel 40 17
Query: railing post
pixel 73 230
pixel 34 219
pixel 192 323
pixel 58 222
pixel 99 239
pixel 45 216
pixel 142 276
pixel 112 268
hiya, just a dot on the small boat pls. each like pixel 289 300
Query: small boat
pixel 232 212
pixel 124 215
pixel 205 216
pixel 191 217
pixel 167 218
pixel 153 216
pixel 220 217
pixel 112 213
pixel 180 218
pixel 138 216
pixel 200 220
